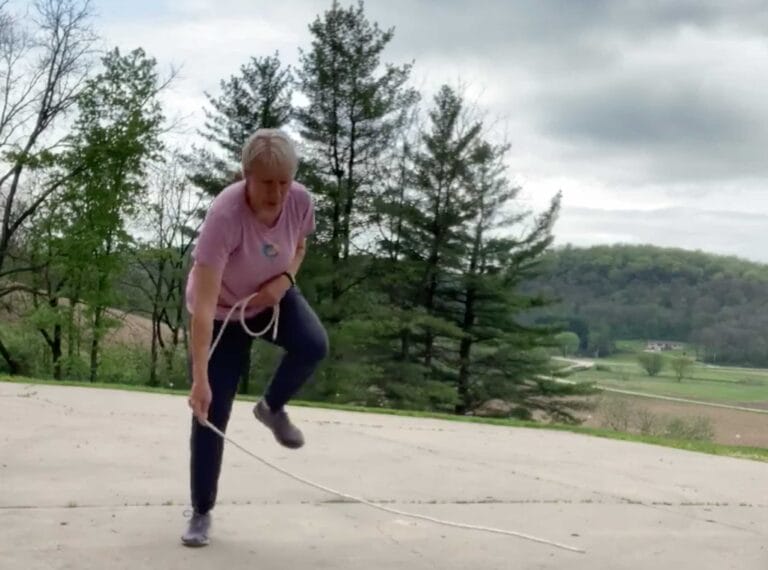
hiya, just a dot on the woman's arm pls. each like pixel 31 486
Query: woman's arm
pixel 298 257
pixel 207 282
pixel 271 292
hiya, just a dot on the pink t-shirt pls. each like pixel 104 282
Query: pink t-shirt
pixel 245 250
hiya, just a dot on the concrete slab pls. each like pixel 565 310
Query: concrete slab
pixel 98 479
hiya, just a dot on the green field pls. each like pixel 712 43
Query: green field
pixel 704 382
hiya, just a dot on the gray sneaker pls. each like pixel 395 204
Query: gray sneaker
pixel 197 531
pixel 284 431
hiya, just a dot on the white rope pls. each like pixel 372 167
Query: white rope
pixel 389 510
pixel 242 304
pixel 274 321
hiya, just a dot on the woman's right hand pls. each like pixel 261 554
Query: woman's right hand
pixel 200 399
pixel 207 281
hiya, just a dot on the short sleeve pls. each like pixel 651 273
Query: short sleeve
pixel 216 241
pixel 308 221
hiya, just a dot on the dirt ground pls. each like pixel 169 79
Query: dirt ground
pixel 731 427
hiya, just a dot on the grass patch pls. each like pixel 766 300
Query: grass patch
pixel 752 453
pixel 689 389
pixel 725 385
pixel 99 385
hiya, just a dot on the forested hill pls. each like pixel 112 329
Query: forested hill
pixel 644 292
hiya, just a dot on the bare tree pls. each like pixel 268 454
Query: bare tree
pixel 42 70
pixel 173 221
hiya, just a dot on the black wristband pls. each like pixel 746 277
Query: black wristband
pixel 290 278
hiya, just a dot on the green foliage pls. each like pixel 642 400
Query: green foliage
pixel 682 366
pixel 356 108
pixel 124 365
pixel 694 429
pixel 45 48
pixel 119 363
pixel 45 316
pixel 416 267
pixel 651 362
pixel 259 96
pixel 28 350
pixel 114 138
pixel 601 341
pixel 642 292
pixel 567 342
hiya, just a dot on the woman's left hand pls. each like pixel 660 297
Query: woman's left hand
pixel 272 293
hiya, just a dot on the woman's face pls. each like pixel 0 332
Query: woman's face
pixel 268 186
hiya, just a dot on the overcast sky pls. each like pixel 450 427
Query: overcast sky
pixel 650 115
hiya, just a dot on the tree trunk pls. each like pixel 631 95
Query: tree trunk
pixel 463 383
pixel 349 198
pixel 56 350
pixel 153 350
pixel 95 341
pixel 405 344
pixel 465 349
pixel 430 305
pixel 171 352
pixel 185 338
pixel 73 343
pixel 337 229
pixel 13 366
pixel 468 321
pixel 55 343
pixel 335 245
pixel 430 281
pixel 395 254
pixel 181 322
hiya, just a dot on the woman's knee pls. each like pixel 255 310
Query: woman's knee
pixel 316 346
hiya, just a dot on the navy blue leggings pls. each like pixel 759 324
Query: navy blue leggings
pixel 300 334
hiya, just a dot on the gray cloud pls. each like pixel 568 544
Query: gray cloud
pixel 632 92
pixel 621 104
pixel 682 128
pixel 522 28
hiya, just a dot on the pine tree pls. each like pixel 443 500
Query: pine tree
pixel 433 235
pixel 258 97
pixel 454 275
pixel 356 108
pixel 420 217
pixel 490 192
pixel 500 356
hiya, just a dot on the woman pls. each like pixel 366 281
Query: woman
pixel 253 239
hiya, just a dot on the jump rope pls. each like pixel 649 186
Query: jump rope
pixel 273 324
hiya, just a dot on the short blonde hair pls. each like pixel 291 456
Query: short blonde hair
pixel 270 147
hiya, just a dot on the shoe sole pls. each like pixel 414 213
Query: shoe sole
pixel 288 444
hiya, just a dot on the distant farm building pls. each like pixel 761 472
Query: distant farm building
pixel 663 346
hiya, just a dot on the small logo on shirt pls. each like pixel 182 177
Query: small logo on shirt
pixel 270 250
